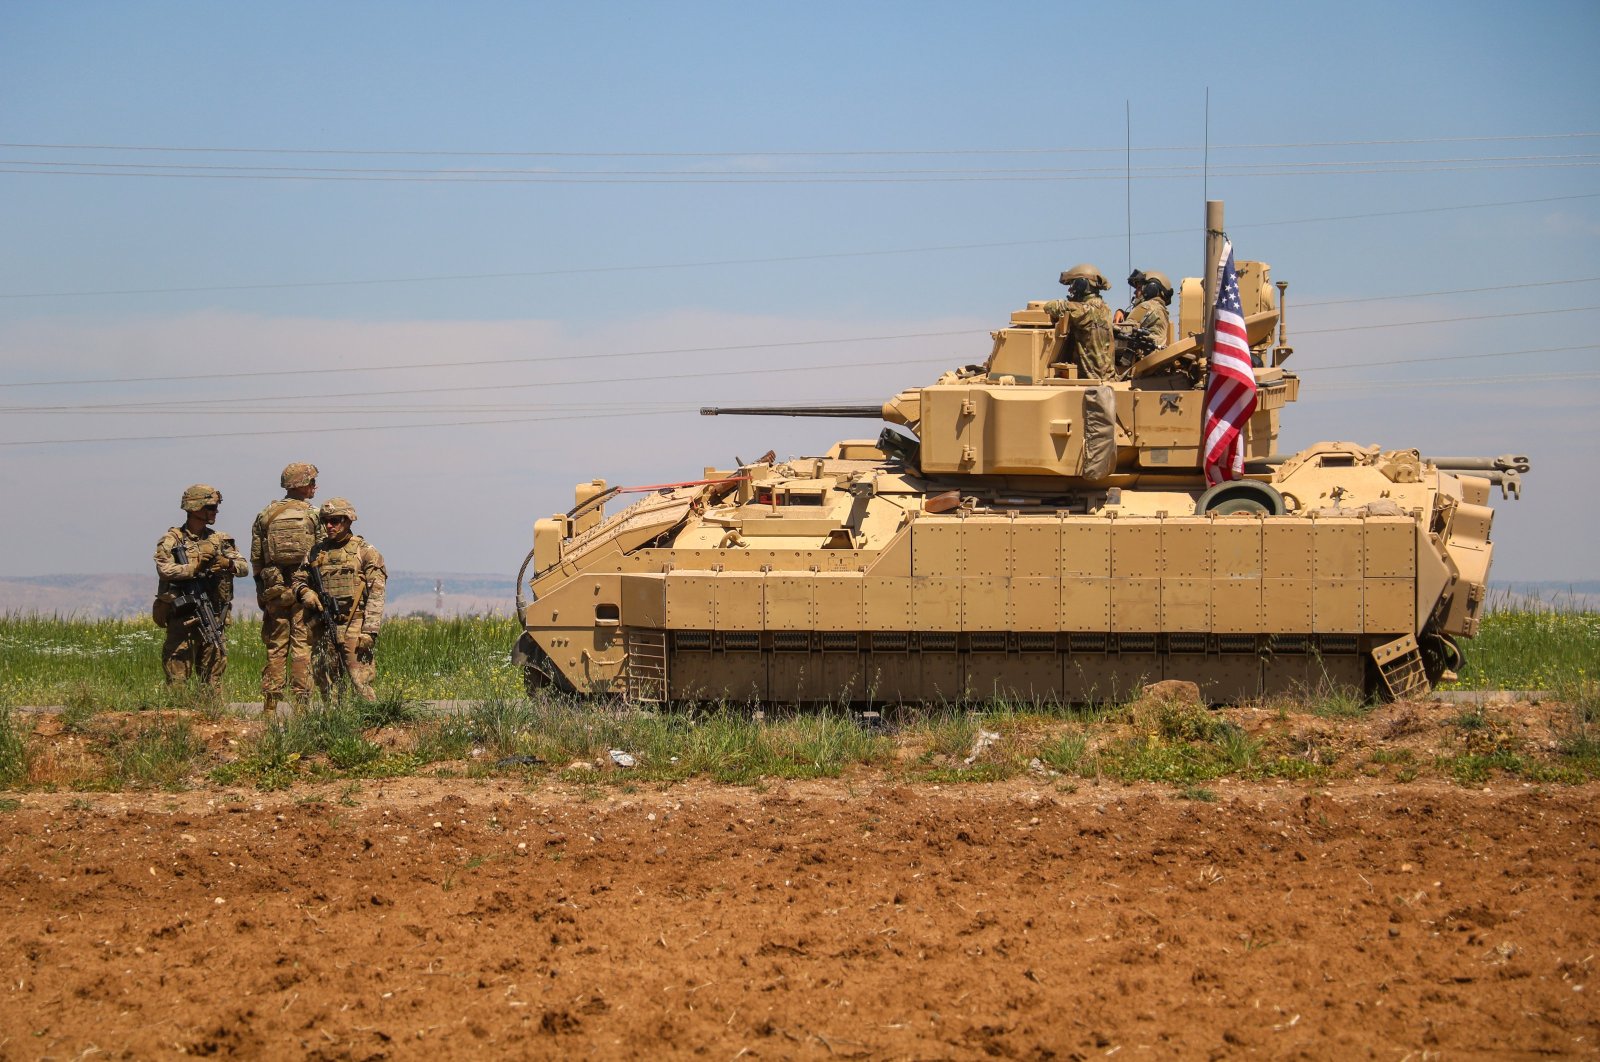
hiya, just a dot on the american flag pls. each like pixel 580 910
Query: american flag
pixel 1230 381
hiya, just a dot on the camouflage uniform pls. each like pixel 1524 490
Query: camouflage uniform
pixel 213 559
pixel 1153 316
pixel 285 621
pixel 1085 324
pixel 352 576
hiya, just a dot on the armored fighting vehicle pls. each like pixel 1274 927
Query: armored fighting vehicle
pixel 1021 532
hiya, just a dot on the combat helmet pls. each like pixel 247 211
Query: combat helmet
pixel 299 474
pixel 1162 286
pixel 338 507
pixel 1085 271
pixel 200 496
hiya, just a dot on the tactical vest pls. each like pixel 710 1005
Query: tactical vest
pixel 291 532
pixel 1152 315
pixel 218 586
pixel 339 568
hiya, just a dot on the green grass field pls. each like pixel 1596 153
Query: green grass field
pixel 50 661
pixel 106 675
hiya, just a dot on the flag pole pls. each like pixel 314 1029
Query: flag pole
pixel 1208 275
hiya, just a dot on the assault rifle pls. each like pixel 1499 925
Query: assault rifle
pixel 193 596
pixel 330 621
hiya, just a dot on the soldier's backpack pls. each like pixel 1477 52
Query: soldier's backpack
pixel 291 532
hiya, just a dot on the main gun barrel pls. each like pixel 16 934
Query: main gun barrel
pixel 872 412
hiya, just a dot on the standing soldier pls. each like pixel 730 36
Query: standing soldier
pixel 1083 321
pixel 342 585
pixel 194 600
pixel 280 540
pixel 1148 324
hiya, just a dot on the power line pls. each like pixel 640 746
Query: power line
pixel 1393 385
pixel 339 428
pixel 713 263
pixel 1395 362
pixel 1444 320
pixel 531 359
pixel 757 153
pixel 1464 381
pixel 1448 291
pixel 756 178
pixel 188 405
pixel 544 358
pixel 1244 169
pixel 168 407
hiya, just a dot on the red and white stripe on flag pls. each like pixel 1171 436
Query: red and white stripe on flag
pixel 1230 380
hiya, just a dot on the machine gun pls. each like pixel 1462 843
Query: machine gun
pixel 193 597
pixel 329 609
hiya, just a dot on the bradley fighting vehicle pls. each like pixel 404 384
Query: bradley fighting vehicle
pixel 1023 532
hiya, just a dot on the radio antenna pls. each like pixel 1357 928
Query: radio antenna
pixel 1127 125
pixel 1205 168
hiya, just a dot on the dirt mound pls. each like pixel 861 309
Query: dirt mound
pixel 1027 919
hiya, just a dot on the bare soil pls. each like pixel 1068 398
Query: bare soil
pixel 1039 918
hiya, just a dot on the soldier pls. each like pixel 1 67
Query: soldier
pixel 344 576
pixel 280 540
pixel 1083 320
pixel 1149 314
pixel 1135 286
pixel 196 565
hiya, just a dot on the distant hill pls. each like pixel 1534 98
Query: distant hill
pixel 123 595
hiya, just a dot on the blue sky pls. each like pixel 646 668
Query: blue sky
pixel 191 189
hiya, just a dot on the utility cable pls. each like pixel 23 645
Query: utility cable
pixel 1443 320
pixel 765 179
pixel 758 176
pixel 188 405
pixel 757 153
pixel 718 262
pixel 168 407
pixel 528 360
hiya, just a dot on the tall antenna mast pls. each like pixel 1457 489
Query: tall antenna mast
pixel 1127 125
pixel 1205 167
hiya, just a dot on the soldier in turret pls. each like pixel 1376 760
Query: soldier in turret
pixel 343 586
pixel 1083 320
pixel 1148 324
pixel 196 565
pixel 280 541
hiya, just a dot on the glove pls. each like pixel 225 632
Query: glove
pixel 205 554
pixel 365 642
pixel 309 598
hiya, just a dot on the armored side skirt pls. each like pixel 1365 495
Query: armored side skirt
pixel 886 667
